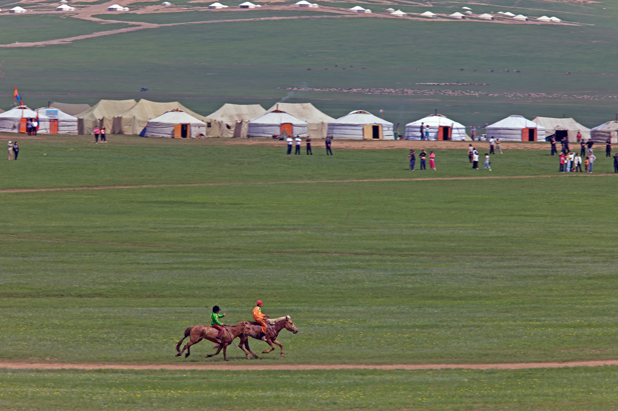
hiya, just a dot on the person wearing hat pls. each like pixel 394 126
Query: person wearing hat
pixel 259 318
pixel 10 147
pixel 215 323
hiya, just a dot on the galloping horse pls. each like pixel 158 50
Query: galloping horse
pixel 199 332
pixel 274 327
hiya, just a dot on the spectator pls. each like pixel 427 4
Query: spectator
pixel 10 150
pixel 582 151
pixel 96 135
pixel 475 160
pixel 553 146
pixel 290 142
pixel 423 156
pixel 487 164
pixel 577 163
pixel 470 151
pixel 562 161
pixel 492 146
pixel 103 138
pixel 298 142
pixel 308 141
pixel 616 163
pixel 591 159
pixel 432 161
pixel 608 148
pixel 498 146
pixel 412 158
pixel 15 150
pixel 328 150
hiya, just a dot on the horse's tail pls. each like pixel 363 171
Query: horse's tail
pixel 187 333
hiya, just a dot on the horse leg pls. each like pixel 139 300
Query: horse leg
pixel 225 352
pixel 240 345
pixel 280 345
pixel 187 333
pixel 217 353
pixel 249 349
pixel 186 347
pixel 272 347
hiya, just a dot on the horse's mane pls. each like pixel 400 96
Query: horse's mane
pixel 274 321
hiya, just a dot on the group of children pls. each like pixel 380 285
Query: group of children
pixel 422 156
pixel 99 132
pixel 258 317
pixel 572 162
pixel 473 157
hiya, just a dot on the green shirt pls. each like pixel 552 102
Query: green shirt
pixel 214 319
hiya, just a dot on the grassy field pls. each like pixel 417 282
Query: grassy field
pixel 569 389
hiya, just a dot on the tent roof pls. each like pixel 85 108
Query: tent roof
pixel 608 126
pixel 61 114
pixel 278 117
pixel 357 8
pixel 398 13
pixel 551 123
pixel 146 110
pixel 435 121
pixel 234 112
pixel 176 117
pixel 72 109
pixel 22 111
pixel 428 14
pixel 457 14
pixel 515 121
pixel 107 108
pixel 17 8
pixel 361 117
pixel 303 111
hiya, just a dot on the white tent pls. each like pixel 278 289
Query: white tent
pixel 216 6
pixel 466 8
pixel 508 13
pixel 314 6
pixel 64 7
pixel 59 121
pixel 317 121
pixel 544 19
pixel 63 1
pixel 600 134
pixel 175 124
pixel 302 3
pixel 428 14
pixel 468 12
pixel 458 15
pixel 166 4
pixel 486 16
pixel 367 11
pixel 390 10
pixel 247 5
pixel 232 120
pixel 516 128
pixel 563 127
pixel 440 128
pixel 14 120
pixel 555 20
pixel 520 17
pixel 361 125
pixel 17 10
pixel 276 123
pixel 115 7
pixel 357 9
pixel 398 13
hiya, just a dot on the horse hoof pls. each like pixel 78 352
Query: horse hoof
pixel 178 355
pixel 186 355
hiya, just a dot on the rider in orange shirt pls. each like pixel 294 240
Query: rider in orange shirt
pixel 259 318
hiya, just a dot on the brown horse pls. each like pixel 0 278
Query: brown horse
pixel 200 332
pixel 274 327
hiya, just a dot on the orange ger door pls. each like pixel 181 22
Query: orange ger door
pixel 23 128
pixel 286 128
pixel 53 126
pixel 177 130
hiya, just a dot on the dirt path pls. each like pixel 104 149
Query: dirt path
pixel 369 180
pixel 301 367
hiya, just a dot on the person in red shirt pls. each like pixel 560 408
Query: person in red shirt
pixel 259 318
pixel 562 161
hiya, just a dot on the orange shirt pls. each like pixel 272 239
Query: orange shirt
pixel 257 314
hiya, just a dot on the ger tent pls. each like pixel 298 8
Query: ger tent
pixel 133 121
pixel 440 128
pixel 17 10
pixel 361 125
pixel 600 134
pixel 317 122
pixel 232 120
pixel 72 109
pixel 175 124
pixel 516 128
pixel 398 13
pixel 59 121
pixel 102 115
pixel 15 119
pixel 276 123
pixel 562 127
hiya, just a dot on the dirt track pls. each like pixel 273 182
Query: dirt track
pixel 301 367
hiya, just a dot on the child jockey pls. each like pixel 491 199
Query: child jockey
pixel 259 318
pixel 215 323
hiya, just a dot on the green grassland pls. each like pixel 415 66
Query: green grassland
pixel 371 272
pixel 207 65
pixel 567 389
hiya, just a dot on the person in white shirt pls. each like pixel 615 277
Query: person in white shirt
pixel 492 146
pixel 475 160
pixel 297 140
pixel 470 151
pixel 10 150
pixel 290 141
pixel 487 164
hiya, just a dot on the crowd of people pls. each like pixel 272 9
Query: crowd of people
pixel 297 142
pixel 423 157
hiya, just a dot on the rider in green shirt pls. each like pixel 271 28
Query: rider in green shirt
pixel 215 323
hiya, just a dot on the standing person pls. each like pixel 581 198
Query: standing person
pixel 427 132
pixel 15 150
pixel 608 148
pixel 487 164
pixel 475 160
pixel 470 151
pixel 473 133
pixel 290 141
pixel 103 138
pixel 567 163
pixel 432 161
pixel 616 163
pixel 215 323
pixel 577 163
pixel 562 150
pixel 422 131
pixel 553 146
pixel 498 145
pixel 10 150
pixel 492 146
pixel 591 159
pixel 566 144
pixel 96 135
pixel 582 151
pixel 259 318
pixel 298 141
pixel 35 126
pixel 589 144
pixel 29 126
pixel 328 150
pixel 423 156
pixel 412 158
pixel 562 161
pixel 579 136
pixel 308 144
pixel 586 164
